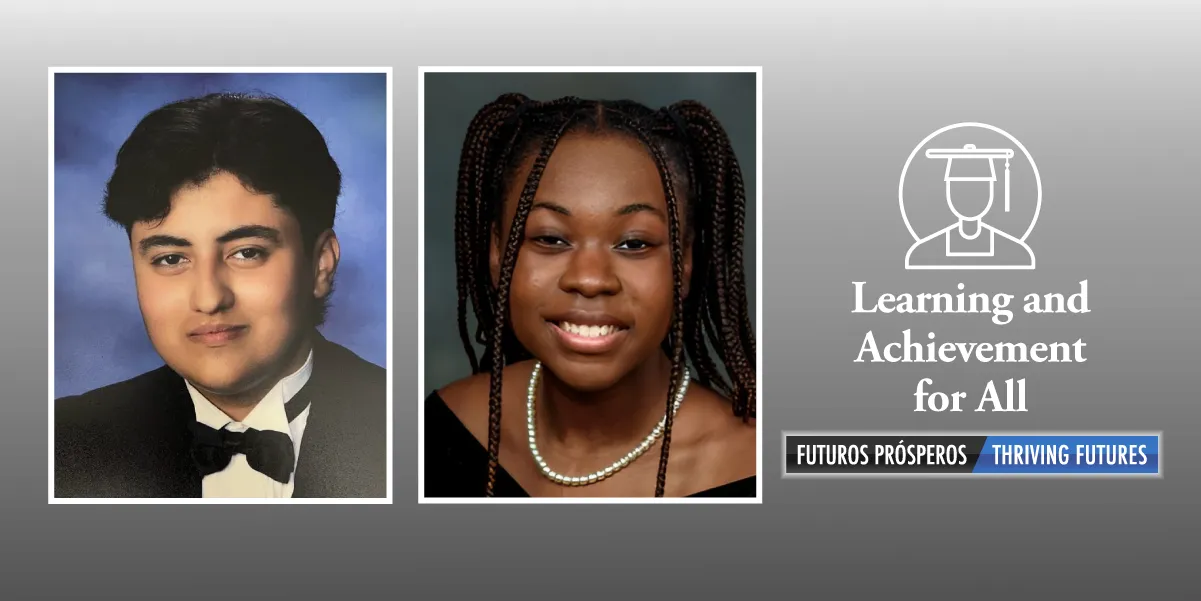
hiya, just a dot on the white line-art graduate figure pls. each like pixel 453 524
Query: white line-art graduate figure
pixel 970 181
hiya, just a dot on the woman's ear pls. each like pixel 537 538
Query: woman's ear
pixel 687 275
pixel 494 256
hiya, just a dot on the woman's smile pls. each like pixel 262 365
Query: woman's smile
pixel 588 339
pixel 588 332
pixel 575 240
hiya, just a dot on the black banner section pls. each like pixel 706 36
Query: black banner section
pixel 891 454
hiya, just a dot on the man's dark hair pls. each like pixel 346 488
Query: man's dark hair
pixel 265 142
pixel 697 166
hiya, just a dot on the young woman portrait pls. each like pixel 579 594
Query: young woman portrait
pixel 602 307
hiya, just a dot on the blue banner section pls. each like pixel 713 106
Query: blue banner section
pixel 1068 454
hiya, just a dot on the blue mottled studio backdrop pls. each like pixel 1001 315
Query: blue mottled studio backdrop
pixel 99 337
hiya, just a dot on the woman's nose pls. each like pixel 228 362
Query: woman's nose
pixel 590 272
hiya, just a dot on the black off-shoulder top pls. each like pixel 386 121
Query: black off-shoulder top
pixel 456 464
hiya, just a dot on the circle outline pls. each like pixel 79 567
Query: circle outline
pixel 1037 178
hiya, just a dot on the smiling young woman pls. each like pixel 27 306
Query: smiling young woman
pixel 599 245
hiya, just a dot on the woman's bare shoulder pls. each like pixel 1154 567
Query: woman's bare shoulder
pixel 723 442
pixel 468 397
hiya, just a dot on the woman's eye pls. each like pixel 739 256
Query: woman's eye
pixel 549 241
pixel 634 245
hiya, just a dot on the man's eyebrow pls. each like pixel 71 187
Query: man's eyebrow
pixel 158 240
pixel 250 231
pixel 238 233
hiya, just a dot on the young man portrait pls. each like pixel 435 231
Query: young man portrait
pixel 228 202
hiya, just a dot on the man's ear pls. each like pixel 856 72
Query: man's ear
pixel 326 254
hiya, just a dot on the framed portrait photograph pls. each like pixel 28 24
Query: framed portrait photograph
pixel 589 285
pixel 220 285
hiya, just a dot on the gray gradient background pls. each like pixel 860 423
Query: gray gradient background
pixel 1103 94
pixel 452 100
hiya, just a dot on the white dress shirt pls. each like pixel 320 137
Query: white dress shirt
pixel 238 479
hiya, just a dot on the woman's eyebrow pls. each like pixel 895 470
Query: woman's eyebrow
pixel 639 207
pixel 629 209
pixel 550 206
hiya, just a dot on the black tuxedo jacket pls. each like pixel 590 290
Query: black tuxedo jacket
pixel 131 439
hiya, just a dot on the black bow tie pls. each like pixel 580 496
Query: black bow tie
pixel 268 452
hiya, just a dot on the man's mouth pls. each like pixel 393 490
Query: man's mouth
pixel 217 334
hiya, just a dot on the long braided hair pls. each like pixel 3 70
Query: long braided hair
pixel 696 164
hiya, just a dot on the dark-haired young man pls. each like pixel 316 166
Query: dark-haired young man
pixel 229 202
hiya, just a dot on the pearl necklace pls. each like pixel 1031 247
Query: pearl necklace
pixel 598 475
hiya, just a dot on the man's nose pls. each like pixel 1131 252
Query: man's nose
pixel 210 289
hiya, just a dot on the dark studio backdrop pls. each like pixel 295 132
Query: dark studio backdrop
pixel 452 99
pixel 99 337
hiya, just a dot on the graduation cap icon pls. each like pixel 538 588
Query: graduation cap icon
pixel 973 164
pixel 972 176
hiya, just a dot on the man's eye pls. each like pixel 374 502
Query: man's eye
pixel 169 260
pixel 249 254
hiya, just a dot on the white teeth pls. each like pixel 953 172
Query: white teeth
pixel 589 331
